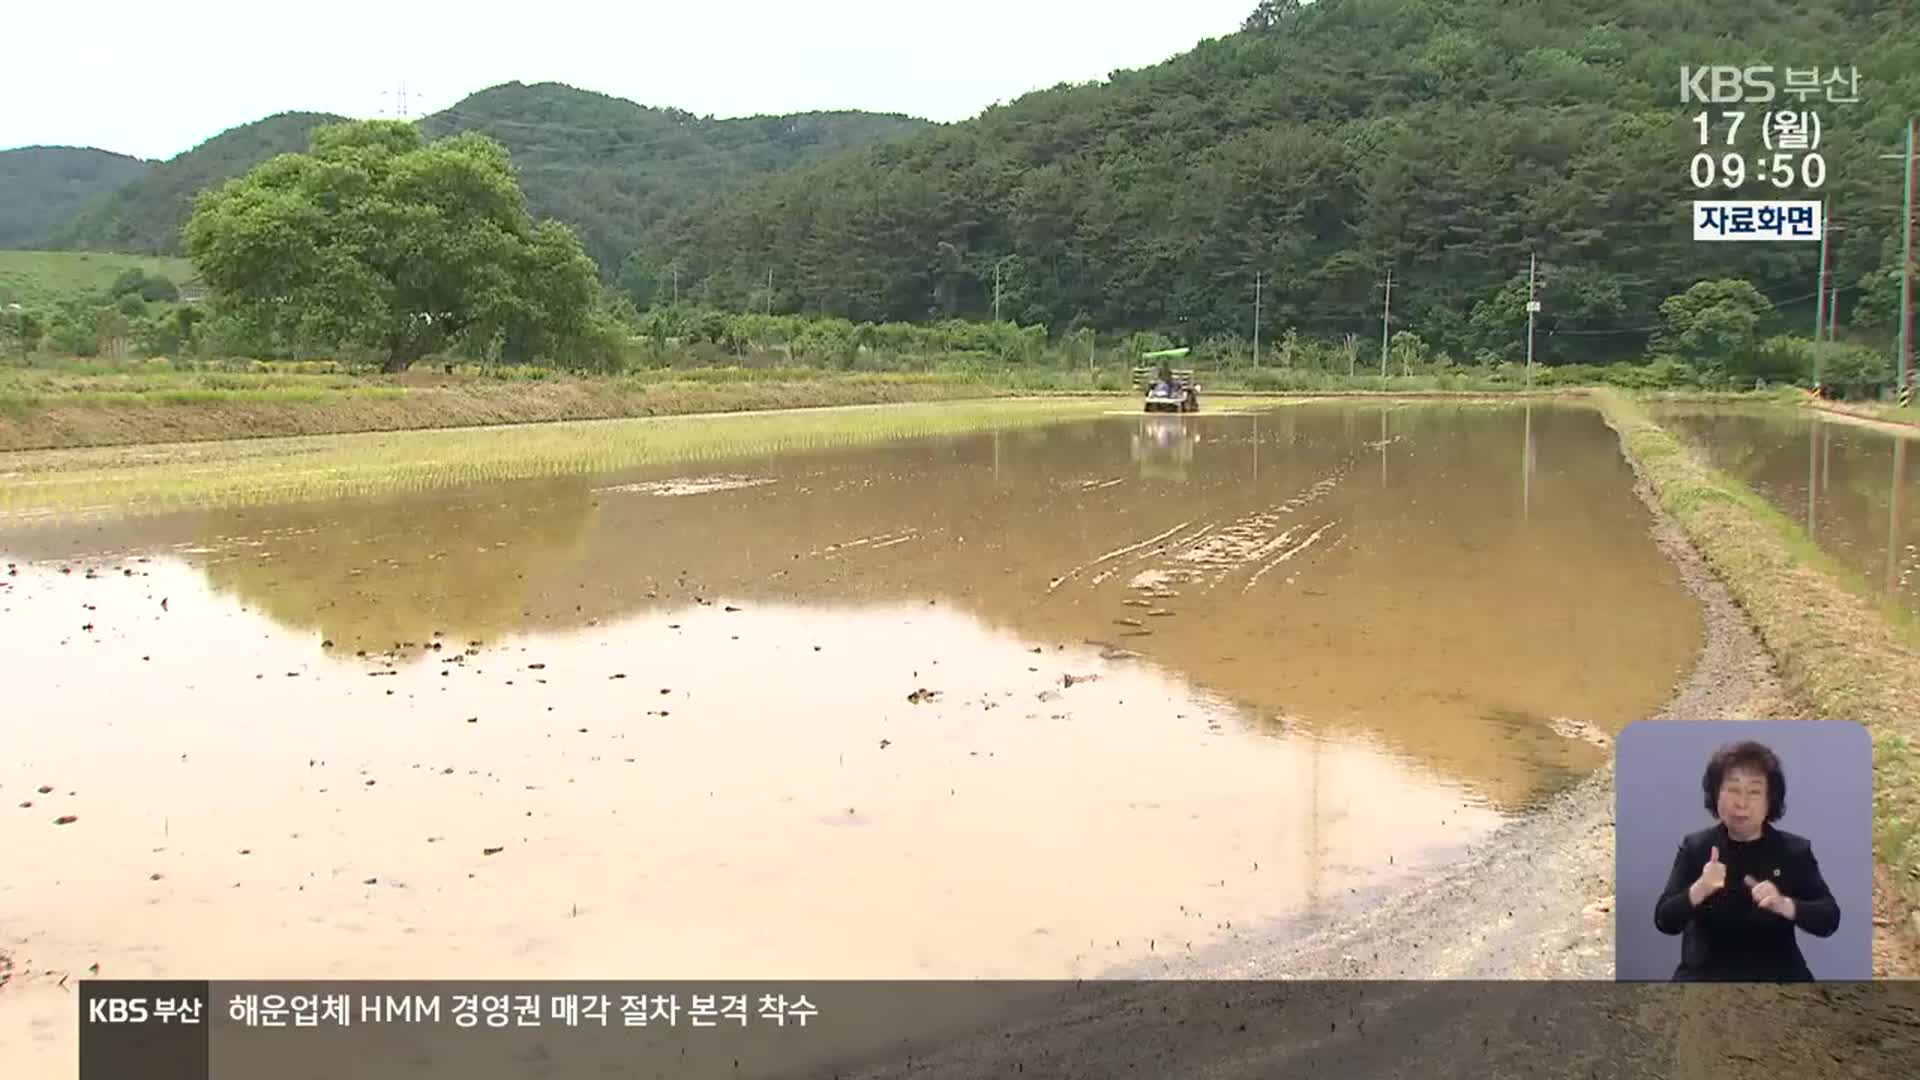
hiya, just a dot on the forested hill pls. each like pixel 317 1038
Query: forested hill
pixel 1323 145
pixel 145 216
pixel 604 165
pixel 613 169
pixel 44 184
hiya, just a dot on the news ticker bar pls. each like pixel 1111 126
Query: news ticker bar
pixel 953 1030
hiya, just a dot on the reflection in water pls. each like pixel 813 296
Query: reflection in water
pixel 894 712
pixel 1898 574
pixel 1405 614
pixel 399 570
pixel 1851 487
pixel 1163 448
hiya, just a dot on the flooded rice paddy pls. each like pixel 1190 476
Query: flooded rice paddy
pixel 1032 702
pixel 1855 490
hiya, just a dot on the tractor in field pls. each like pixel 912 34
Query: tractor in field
pixel 1167 388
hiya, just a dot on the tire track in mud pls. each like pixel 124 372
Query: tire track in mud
pixel 1204 555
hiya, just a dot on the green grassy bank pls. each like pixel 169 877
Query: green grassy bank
pixel 79 403
pixel 1836 646
pixel 117 481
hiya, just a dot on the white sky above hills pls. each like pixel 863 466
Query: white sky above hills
pixel 156 81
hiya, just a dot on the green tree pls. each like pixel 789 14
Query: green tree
pixel 377 239
pixel 1407 350
pixel 21 329
pixel 1713 324
pixel 1269 13
pixel 129 281
pixel 160 288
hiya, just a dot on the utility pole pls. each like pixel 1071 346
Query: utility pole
pixel 1533 306
pixel 1820 299
pixel 1386 314
pixel 676 284
pixel 1905 386
pixel 1256 318
pixel 769 290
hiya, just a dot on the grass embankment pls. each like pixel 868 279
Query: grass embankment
pixel 126 403
pixel 44 411
pixel 1836 646
pixel 136 480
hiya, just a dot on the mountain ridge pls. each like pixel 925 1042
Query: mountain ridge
pixel 610 167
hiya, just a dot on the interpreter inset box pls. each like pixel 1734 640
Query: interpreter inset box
pixel 1743 851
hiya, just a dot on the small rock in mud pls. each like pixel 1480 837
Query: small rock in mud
pixel 327 644
pixel 492 850
pixel 1129 622
pixel 153 877
pixel 618 675
pixel 666 689
pixel 1035 649
pixel 1112 653
pixel 730 607
pixel 922 694
pixel 1580 730
pixel 371 881
pixel 537 667
pixel 65 819
pixel 884 743
pixel 1069 680
pixel 1158 613
pixel 45 789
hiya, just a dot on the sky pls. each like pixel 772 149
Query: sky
pixel 156 81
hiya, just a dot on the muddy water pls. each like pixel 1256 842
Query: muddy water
pixel 1020 703
pixel 1855 490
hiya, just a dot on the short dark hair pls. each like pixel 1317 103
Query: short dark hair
pixel 1748 755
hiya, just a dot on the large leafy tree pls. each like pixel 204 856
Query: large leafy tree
pixel 1713 322
pixel 377 239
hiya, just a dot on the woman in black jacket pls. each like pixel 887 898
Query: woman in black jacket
pixel 1740 889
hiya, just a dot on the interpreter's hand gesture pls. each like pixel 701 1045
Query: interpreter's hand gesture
pixel 1713 878
pixel 1768 897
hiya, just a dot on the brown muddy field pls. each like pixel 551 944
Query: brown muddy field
pixel 1042 703
pixel 1855 489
